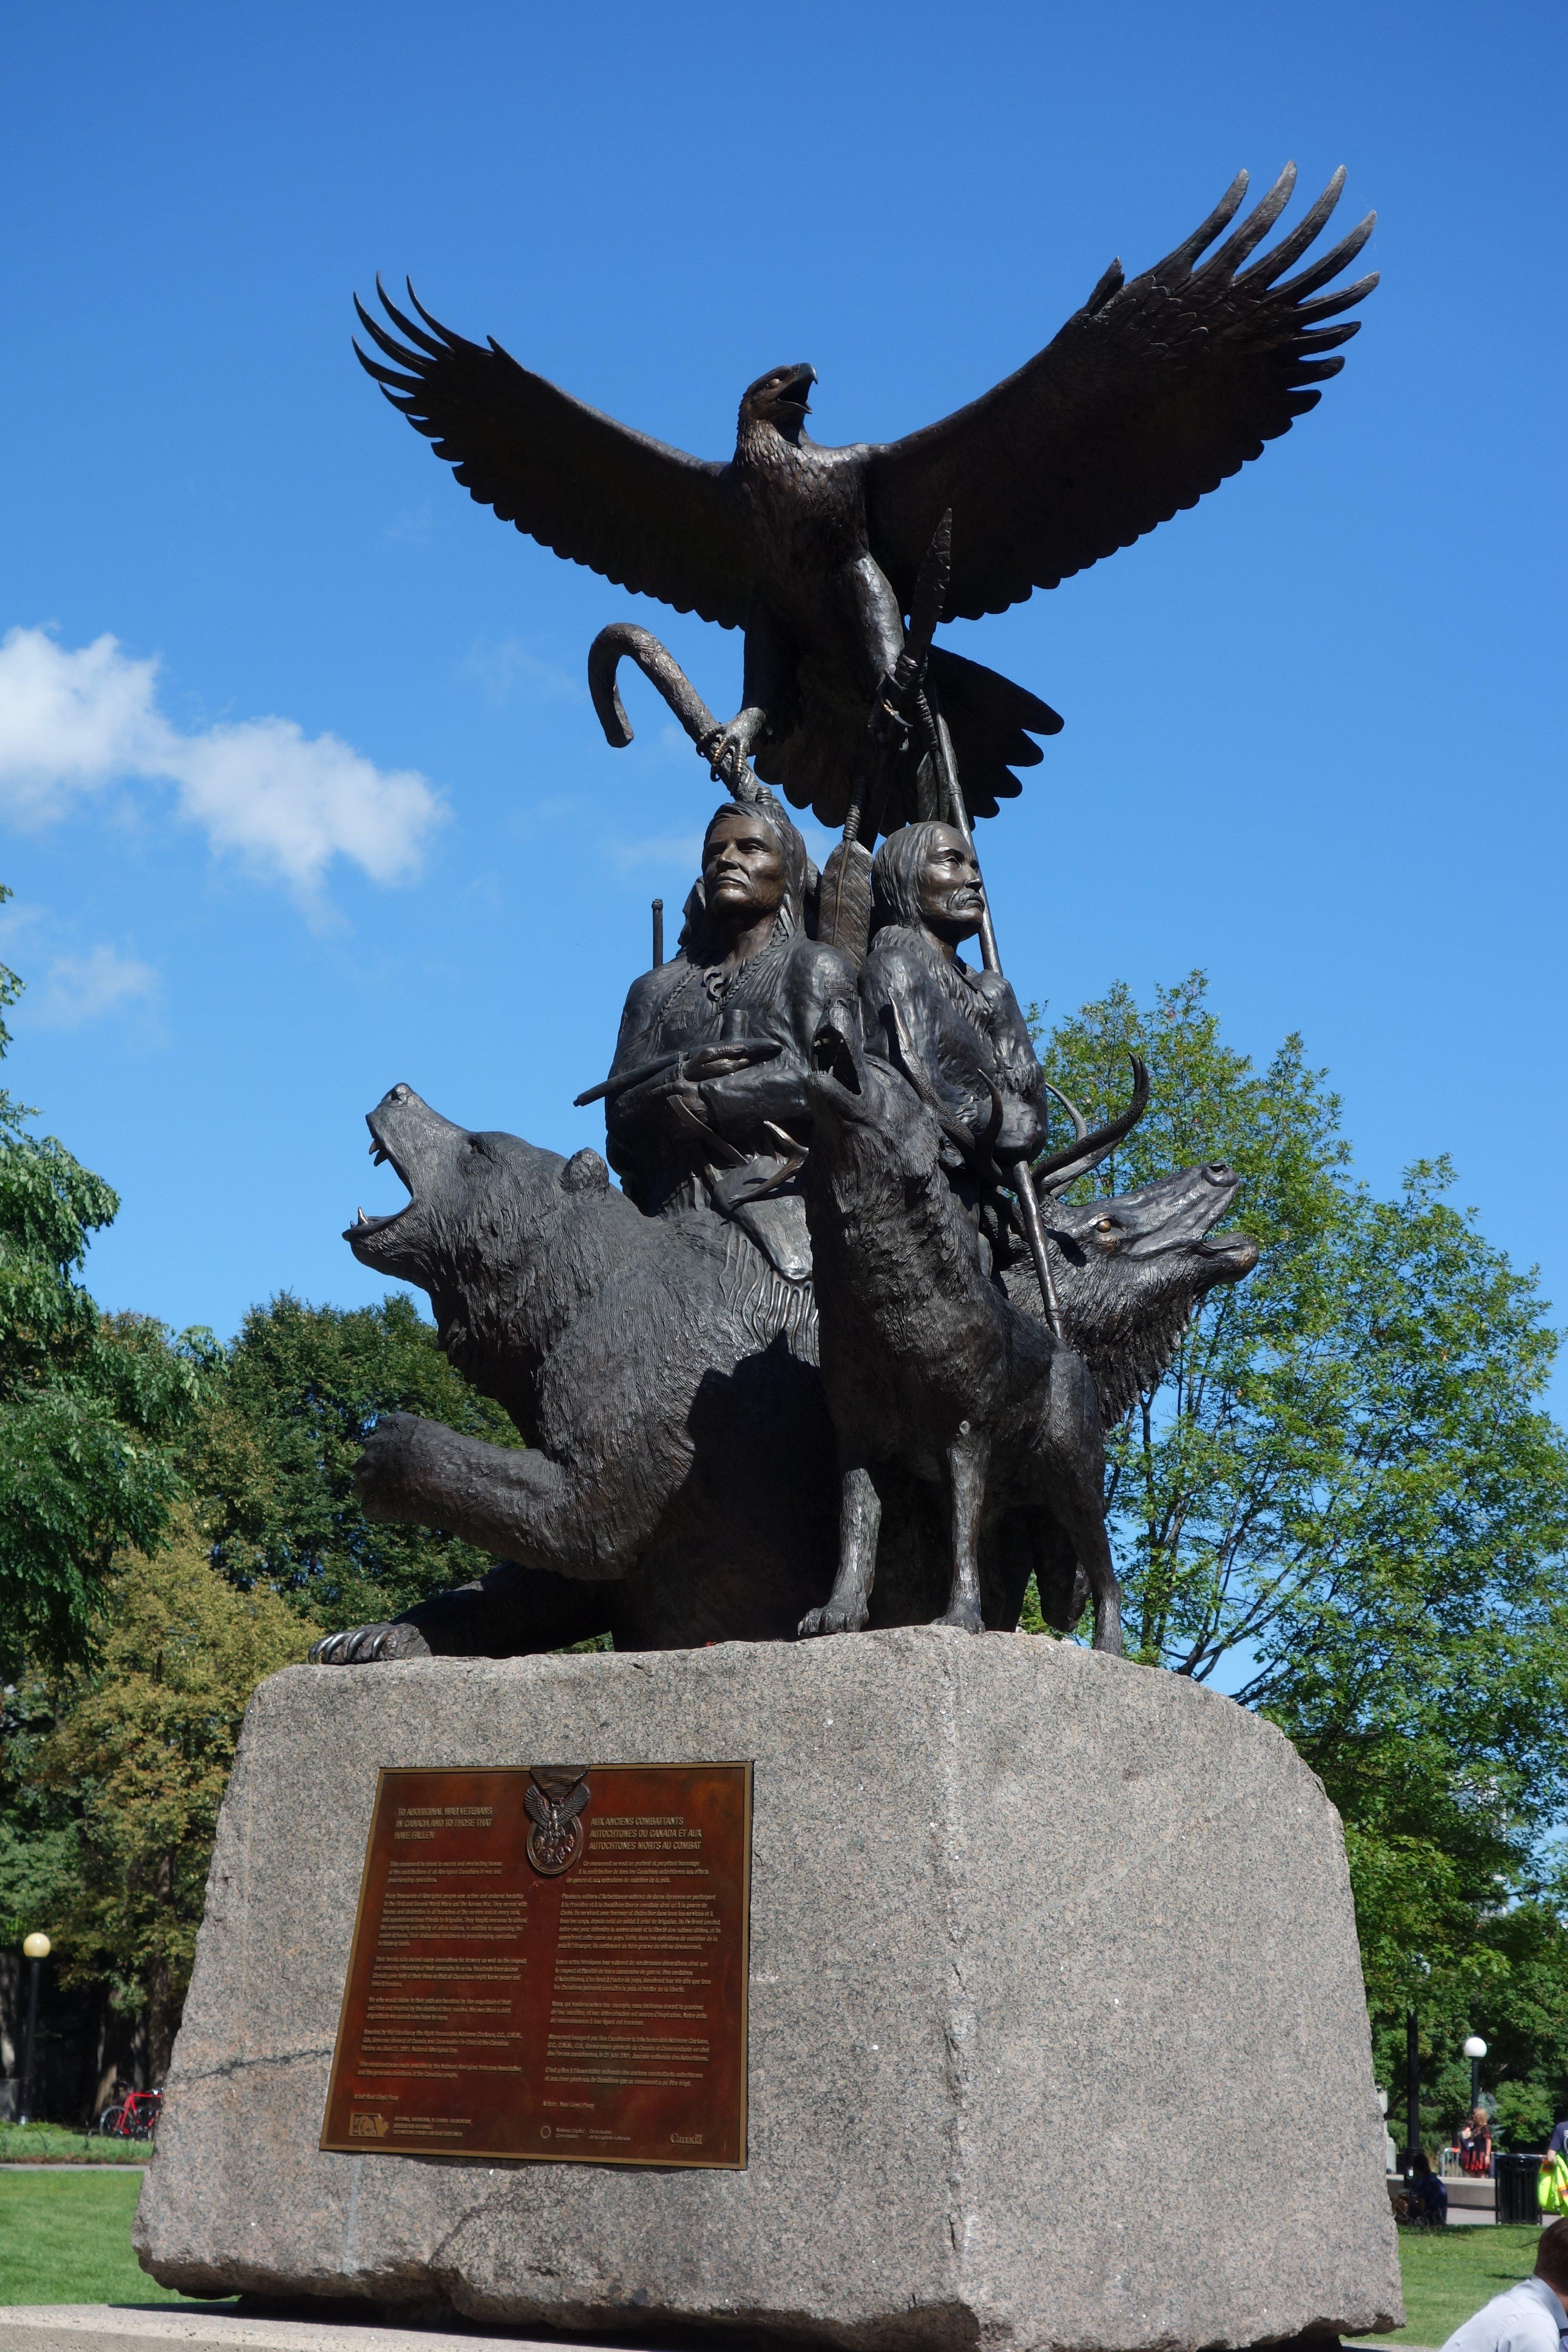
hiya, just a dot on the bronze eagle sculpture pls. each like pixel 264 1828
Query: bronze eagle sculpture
pixel 1161 387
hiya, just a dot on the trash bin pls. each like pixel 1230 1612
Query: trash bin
pixel 1516 2177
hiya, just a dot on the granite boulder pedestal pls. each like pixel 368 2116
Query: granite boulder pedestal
pixel 1057 2029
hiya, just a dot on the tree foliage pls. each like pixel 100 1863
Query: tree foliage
pixel 117 1772
pixel 1346 1492
pixel 91 1406
pixel 272 1463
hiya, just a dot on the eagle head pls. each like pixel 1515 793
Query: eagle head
pixel 779 399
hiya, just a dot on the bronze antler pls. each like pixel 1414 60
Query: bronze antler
pixel 1056 1173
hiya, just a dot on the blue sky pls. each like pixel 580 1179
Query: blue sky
pixel 334 810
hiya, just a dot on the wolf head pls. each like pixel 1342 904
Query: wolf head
pixel 1129 1270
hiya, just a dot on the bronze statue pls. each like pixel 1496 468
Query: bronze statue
pixel 1150 395
pixel 842 1283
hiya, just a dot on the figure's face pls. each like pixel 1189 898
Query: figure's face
pixel 952 900
pixel 742 869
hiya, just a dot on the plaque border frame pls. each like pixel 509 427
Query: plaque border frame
pixel 740 2163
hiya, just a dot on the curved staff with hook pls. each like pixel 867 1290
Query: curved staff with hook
pixel 623 641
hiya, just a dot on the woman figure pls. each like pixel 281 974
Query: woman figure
pixel 1475 2143
pixel 958 1034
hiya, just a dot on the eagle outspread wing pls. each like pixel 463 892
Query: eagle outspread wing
pixel 1152 394
pixel 646 516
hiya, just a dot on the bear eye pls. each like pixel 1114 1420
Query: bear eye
pixel 1105 1225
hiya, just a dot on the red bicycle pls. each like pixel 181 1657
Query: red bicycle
pixel 133 2118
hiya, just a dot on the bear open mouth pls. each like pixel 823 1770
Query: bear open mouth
pixel 382 1153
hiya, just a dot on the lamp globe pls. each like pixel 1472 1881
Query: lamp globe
pixel 1475 2047
pixel 35 1947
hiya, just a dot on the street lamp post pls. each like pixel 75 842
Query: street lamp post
pixel 1475 2051
pixel 36 1949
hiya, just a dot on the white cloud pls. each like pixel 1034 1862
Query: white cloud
pixel 290 802
pixel 75 723
pixel 79 988
pixel 72 722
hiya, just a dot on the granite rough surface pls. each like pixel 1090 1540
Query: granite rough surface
pixel 1057 2035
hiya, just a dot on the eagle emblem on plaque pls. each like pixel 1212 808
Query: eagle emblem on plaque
pixel 555 1799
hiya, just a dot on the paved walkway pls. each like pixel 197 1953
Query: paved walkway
pixel 218 2327
pixel 198 2327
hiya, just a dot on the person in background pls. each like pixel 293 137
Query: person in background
pixel 1425 2192
pixel 1475 2143
pixel 1552 2188
pixel 1531 2316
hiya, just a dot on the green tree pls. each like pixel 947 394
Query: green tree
pixel 117 1798
pixel 273 1461
pixel 91 1406
pixel 1346 1490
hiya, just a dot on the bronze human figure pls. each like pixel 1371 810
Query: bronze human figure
pixel 958 1035
pixel 706 1101
pixel 1150 395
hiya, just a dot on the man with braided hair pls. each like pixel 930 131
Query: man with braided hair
pixel 958 1035
pixel 707 1128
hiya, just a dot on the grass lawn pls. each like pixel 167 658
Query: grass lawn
pixel 36 2143
pixel 1450 2274
pixel 65 2237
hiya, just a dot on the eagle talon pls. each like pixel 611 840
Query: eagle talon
pixel 727 750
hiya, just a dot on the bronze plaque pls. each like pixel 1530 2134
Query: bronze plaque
pixel 550 1964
